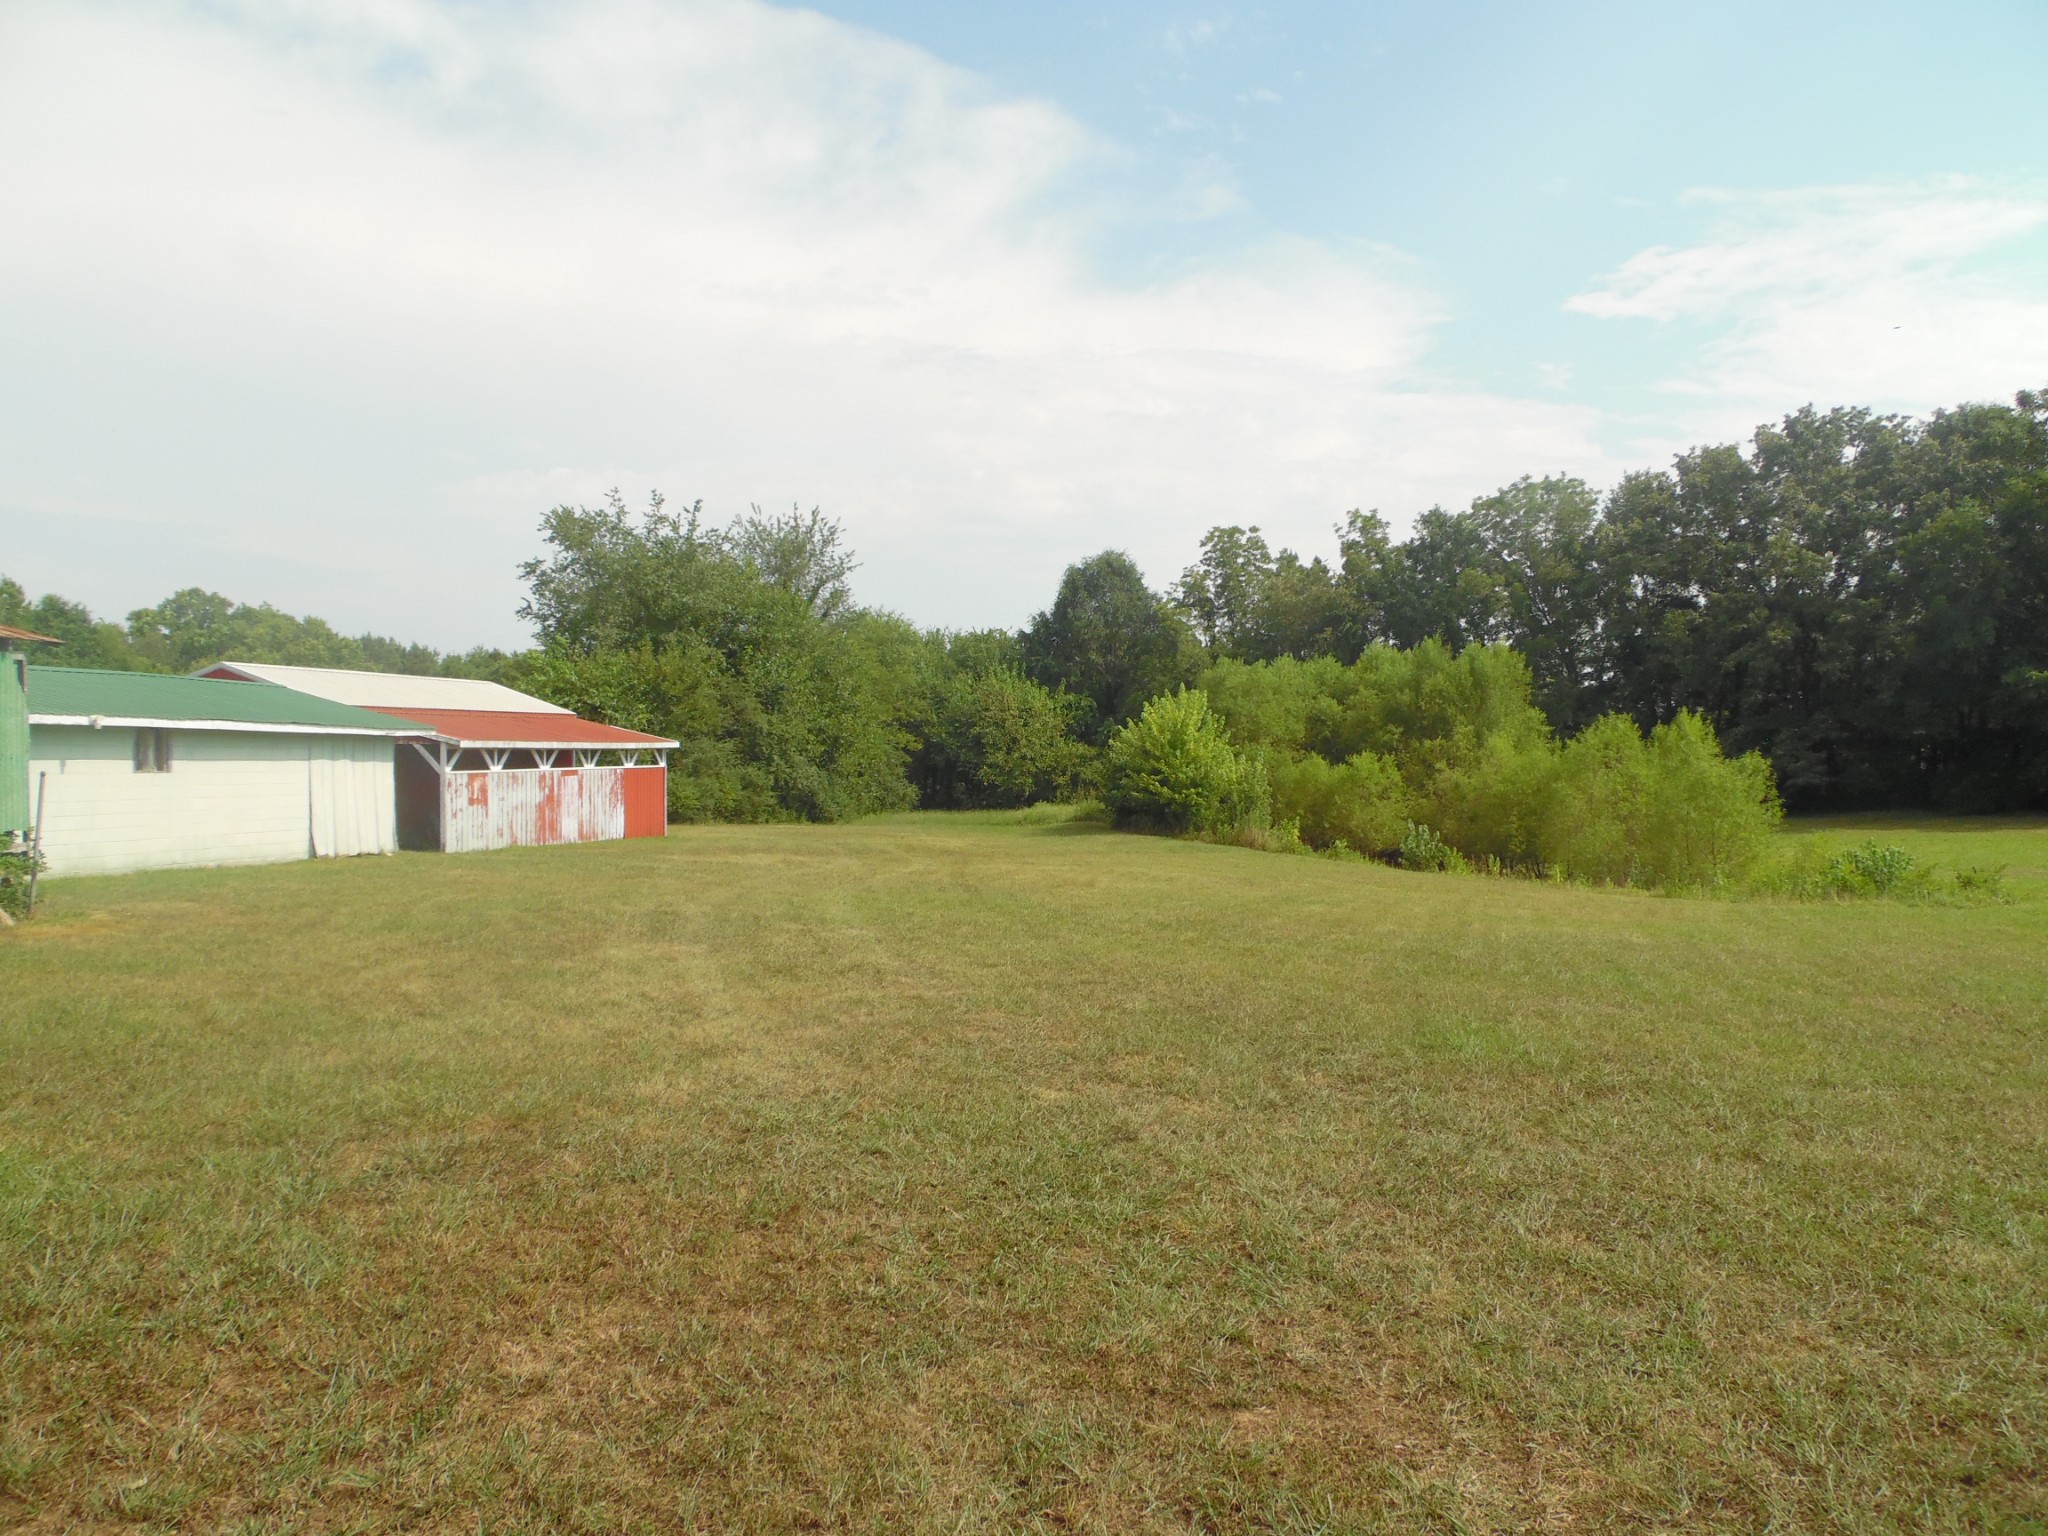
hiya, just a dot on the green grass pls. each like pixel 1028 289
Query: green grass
pixel 957 1174
pixel 2017 845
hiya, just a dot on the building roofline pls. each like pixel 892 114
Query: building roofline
pixel 247 727
pixel 554 743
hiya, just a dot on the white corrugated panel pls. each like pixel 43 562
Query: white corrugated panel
pixel 390 691
pixel 523 807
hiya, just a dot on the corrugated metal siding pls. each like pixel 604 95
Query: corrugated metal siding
pixel 14 798
pixel 525 807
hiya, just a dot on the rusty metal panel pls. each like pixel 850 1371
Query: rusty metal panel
pixel 525 807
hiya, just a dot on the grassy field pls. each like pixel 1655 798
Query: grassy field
pixel 953 1174
pixel 2017 846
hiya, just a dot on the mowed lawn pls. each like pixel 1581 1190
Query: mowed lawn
pixel 956 1174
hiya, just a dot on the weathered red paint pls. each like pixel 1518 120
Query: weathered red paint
pixel 490 727
pixel 646 802
pixel 522 807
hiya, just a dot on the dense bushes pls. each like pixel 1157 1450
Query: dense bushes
pixel 1434 758
pixel 1361 803
pixel 789 702
pixel 992 738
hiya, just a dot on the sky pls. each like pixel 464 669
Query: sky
pixel 324 302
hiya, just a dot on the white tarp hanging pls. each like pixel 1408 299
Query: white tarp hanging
pixel 349 796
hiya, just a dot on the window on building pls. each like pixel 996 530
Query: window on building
pixel 153 751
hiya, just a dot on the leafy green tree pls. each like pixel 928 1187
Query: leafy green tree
pixel 1368 581
pixel 1224 594
pixel 86 641
pixel 1304 609
pixel 805 711
pixel 1110 639
pixel 1245 601
pixel 995 738
pixel 1538 534
pixel 801 553
pixel 1445 585
pixel 194 628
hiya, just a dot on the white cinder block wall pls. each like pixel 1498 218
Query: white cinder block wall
pixel 230 797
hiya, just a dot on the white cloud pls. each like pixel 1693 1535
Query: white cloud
pixel 1191 33
pixel 325 303
pixel 1888 295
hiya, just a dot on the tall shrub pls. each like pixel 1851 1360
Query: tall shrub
pixel 1708 817
pixel 1490 795
pixel 1673 812
pixel 1596 818
pixel 1173 768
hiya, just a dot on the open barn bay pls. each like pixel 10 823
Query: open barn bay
pixel 968 1174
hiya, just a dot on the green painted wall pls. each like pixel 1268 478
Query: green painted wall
pixel 14 803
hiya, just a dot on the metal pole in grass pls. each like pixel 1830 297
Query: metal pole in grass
pixel 35 865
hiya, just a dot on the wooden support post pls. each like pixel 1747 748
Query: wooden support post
pixel 35 868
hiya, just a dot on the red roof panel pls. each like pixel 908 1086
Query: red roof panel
pixel 491 727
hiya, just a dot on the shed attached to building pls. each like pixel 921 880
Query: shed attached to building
pixel 142 771
pixel 490 767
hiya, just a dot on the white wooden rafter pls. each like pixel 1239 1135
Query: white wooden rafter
pixel 445 757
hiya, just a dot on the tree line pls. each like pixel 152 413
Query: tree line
pixel 1860 598
pixel 193 628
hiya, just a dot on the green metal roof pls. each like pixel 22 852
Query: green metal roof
pixel 157 696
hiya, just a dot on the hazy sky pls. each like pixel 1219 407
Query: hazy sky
pixel 324 303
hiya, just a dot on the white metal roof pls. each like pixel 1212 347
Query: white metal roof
pixel 390 690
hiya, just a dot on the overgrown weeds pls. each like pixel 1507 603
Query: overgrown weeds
pixel 1815 869
pixel 19 862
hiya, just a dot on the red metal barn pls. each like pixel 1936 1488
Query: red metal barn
pixel 488 780
pixel 495 768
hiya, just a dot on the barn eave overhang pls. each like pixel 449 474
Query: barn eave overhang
pixel 552 743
